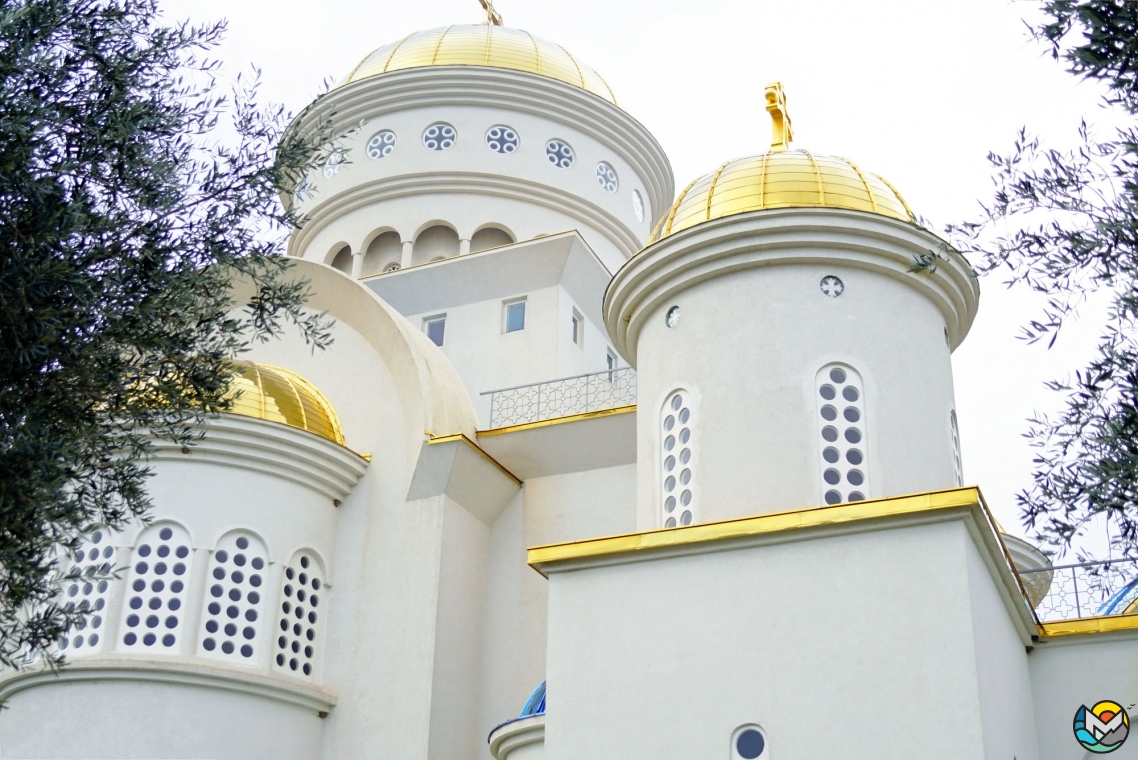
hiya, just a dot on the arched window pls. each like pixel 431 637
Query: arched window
pixel 489 237
pixel 300 616
pixel 153 615
pixel 343 260
pixel 957 462
pixel 842 431
pixel 383 252
pixel 434 242
pixel 87 588
pixel 232 618
pixel 677 486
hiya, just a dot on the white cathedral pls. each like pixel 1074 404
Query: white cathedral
pixel 689 462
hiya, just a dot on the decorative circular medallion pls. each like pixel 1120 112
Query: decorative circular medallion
pixel 832 286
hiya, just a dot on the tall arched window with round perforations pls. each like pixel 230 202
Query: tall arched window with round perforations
pixel 300 616
pixel 841 425
pixel 677 487
pixel 234 603
pixel 87 587
pixel 153 616
pixel 957 462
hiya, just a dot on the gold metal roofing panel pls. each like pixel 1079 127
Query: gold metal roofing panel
pixel 276 394
pixel 487 45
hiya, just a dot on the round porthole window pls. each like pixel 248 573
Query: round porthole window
pixel 439 136
pixel 502 139
pixel 832 286
pixel 749 743
pixel 560 154
pixel 672 318
pixel 332 165
pixel 381 144
pixel 606 177
pixel 638 206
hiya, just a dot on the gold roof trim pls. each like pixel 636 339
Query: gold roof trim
pixel 488 45
pixel 279 395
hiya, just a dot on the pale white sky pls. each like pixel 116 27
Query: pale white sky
pixel 916 90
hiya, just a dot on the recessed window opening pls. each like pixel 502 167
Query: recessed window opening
pixel 435 327
pixel 638 206
pixel 502 139
pixel 957 462
pixel 386 249
pixel 560 154
pixel 439 136
pixel 677 491
pixel 749 742
pixel 233 614
pixel 301 615
pixel 610 363
pixel 343 260
pixel 95 557
pixel 514 316
pixel 841 425
pixel 433 243
pixel 152 617
pixel 577 328
pixel 489 237
pixel 381 144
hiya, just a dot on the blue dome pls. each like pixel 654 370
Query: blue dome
pixel 535 705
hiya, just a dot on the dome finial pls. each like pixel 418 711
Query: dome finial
pixel 781 130
pixel 493 18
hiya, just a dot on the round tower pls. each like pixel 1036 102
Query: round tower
pixel 791 325
pixel 468 137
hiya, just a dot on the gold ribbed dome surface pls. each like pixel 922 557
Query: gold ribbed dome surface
pixel 488 45
pixel 781 179
pixel 279 395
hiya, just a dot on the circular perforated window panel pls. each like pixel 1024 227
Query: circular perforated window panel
pixel 560 154
pixel 234 599
pixel 439 136
pixel 841 427
pixel 606 177
pixel 381 144
pixel 300 616
pixel 153 608
pixel 502 139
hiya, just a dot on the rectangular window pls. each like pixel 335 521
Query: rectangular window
pixel 435 327
pixel 610 362
pixel 578 331
pixel 515 317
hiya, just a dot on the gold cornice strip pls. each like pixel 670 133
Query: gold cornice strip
pixel 556 421
pixel 704 533
pixel 462 437
pixel 1106 624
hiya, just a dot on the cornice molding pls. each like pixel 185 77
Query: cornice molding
pixel 786 236
pixel 172 671
pixel 274 449
pixel 517 91
pixel 515 734
pixel 363 195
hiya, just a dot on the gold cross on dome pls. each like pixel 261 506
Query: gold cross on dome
pixel 492 16
pixel 781 130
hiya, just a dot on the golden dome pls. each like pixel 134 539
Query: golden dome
pixel 488 45
pixel 781 179
pixel 787 179
pixel 278 395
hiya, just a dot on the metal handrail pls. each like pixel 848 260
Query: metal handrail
pixel 562 397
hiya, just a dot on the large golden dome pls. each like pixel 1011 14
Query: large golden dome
pixel 482 45
pixel 781 179
pixel 278 395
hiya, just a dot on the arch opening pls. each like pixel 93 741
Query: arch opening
pixel 386 249
pixel 343 260
pixel 489 237
pixel 434 243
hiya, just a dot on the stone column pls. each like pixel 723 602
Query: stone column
pixel 407 246
pixel 463 247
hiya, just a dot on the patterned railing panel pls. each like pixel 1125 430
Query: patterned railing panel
pixel 566 396
pixel 1090 589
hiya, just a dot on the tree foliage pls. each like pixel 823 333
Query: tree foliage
pixel 132 190
pixel 1065 223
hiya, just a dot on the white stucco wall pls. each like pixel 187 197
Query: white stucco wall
pixel 1071 671
pixel 838 647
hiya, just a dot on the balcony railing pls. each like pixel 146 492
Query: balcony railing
pixel 563 397
pixel 1089 589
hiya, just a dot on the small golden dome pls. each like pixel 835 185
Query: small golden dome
pixel 488 45
pixel 278 395
pixel 787 179
pixel 781 179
